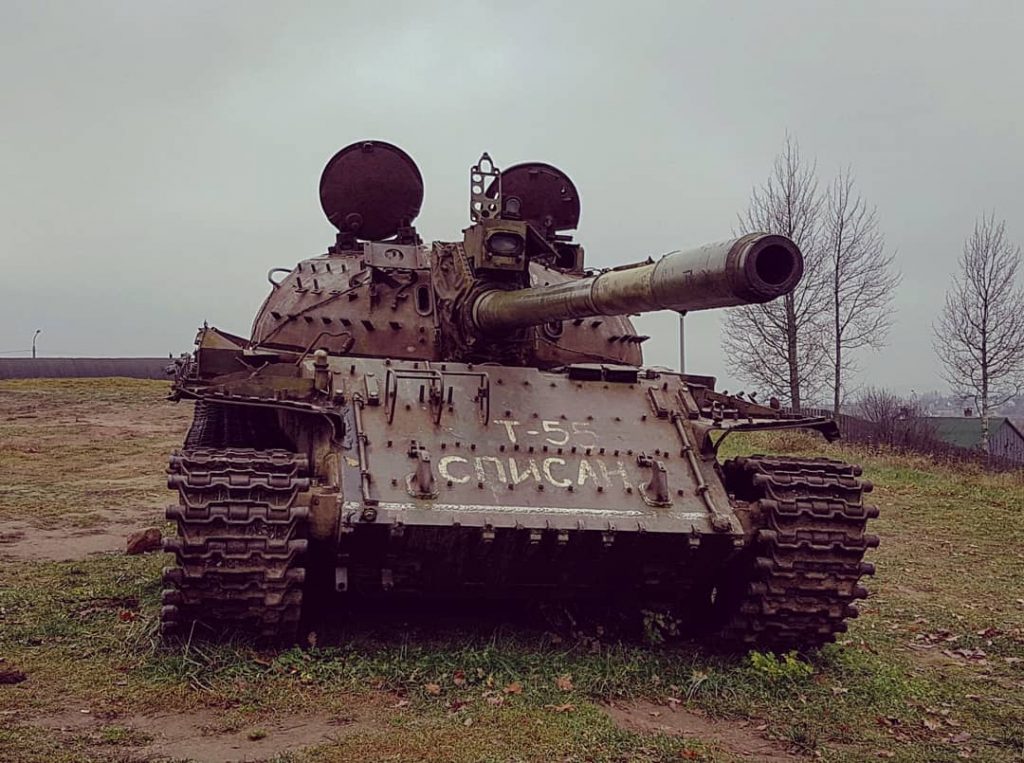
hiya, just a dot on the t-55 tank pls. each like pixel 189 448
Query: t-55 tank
pixel 473 417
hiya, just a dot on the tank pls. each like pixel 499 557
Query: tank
pixel 473 418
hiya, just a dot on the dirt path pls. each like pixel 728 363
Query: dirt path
pixel 739 739
pixel 199 736
pixel 22 541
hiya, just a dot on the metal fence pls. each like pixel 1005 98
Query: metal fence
pixel 67 368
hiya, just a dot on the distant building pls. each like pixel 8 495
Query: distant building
pixel 1004 437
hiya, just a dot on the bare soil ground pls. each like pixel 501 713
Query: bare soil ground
pixel 932 671
pixel 81 464
pixel 741 739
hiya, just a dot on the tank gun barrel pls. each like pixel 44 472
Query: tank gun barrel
pixel 757 267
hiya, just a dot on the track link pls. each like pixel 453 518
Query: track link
pixel 240 543
pixel 803 576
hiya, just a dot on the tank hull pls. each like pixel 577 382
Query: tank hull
pixel 393 477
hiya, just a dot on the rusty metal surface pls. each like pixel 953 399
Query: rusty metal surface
pixel 546 196
pixel 518 447
pixel 473 416
pixel 808 521
pixel 755 268
pixel 240 544
pixel 370 190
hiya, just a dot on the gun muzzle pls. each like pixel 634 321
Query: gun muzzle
pixel 758 267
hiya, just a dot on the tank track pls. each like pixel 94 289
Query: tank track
pixel 803 575
pixel 240 543
pixel 219 425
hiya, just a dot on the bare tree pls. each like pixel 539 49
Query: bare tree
pixel 861 278
pixel 980 333
pixel 896 421
pixel 776 345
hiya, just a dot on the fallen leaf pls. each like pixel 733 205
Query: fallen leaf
pixel 127 616
pixel 932 725
pixel 433 689
pixel 838 690
pixel 886 754
pixel 468 722
pixel 498 701
pixel 564 683
pixel 960 738
pixel 401 703
pixel 514 688
pixel 459 678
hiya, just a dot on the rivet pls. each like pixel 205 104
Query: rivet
pixel 600 488
pixel 449 483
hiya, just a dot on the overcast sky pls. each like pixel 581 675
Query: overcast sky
pixel 159 157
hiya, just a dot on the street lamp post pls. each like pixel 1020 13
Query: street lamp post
pixel 682 343
pixel 38 332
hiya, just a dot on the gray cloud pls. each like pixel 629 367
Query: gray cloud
pixel 158 158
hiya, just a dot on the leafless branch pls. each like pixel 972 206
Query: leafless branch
pixel 776 345
pixel 861 279
pixel 980 333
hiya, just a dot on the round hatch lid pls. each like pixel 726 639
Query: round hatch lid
pixel 547 197
pixel 370 189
